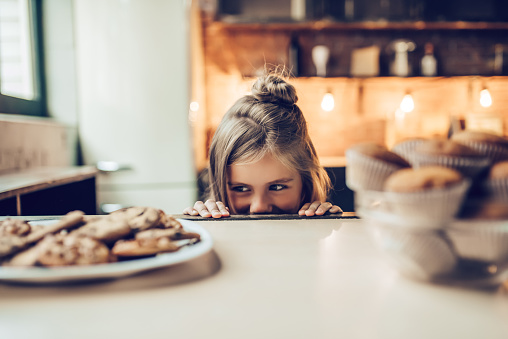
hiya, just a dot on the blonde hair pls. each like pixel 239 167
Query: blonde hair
pixel 267 121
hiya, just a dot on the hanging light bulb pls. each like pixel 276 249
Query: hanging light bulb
pixel 194 106
pixel 407 104
pixel 328 102
pixel 485 98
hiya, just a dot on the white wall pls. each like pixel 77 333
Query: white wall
pixel 60 68
pixel 118 76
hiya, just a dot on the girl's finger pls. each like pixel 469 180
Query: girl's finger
pixel 335 209
pixel 202 209
pixel 303 209
pixel 223 209
pixel 212 207
pixel 312 208
pixel 323 208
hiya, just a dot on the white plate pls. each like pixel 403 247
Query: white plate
pixel 111 270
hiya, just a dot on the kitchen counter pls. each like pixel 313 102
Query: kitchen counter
pixel 307 278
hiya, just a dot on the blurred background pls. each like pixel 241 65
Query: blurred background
pixel 136 88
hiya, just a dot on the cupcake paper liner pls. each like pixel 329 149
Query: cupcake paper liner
pixel 406 149
pixel 497 189
pixel 366 173
pixel 432 208
pixel 468 166
pixel 420 255
pixel 492 151
pixel 485 240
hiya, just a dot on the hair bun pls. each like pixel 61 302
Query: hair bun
pixel 274 89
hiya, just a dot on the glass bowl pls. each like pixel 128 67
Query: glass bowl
pixel 437 249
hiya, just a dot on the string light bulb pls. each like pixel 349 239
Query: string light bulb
pixel 407 104
pixel 485 98
pixel 328 102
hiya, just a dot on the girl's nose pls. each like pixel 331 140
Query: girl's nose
pixel 259 205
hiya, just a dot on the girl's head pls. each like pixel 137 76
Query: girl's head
pixel 266 126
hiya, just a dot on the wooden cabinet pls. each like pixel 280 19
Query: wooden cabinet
pixel 48 191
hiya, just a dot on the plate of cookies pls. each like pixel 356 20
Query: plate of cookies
pixel 437 208
pixel 79 247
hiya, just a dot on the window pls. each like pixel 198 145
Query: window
pixel 21 71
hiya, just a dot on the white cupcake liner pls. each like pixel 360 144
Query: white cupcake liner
pixel 496 189
pixel 366 173
pixel 433 207
pixel 482 240
pixel 406 149
pixel 492 151
pixel 420 255
pixel 430 209
pixel 468 166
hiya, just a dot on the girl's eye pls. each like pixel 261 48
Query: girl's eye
pixel 239 188
pixel 277 187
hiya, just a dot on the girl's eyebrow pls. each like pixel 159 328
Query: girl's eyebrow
pixel 236 184
pixel 276 181
pixel 281 180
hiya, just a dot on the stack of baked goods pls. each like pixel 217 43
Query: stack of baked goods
pixel 78 239
pixel 443 214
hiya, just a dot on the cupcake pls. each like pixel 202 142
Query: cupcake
pixel 369 164
pixel 483 237
pixel 495 185
pixel 451 154
pixel 481 232
pixel 405 148
pixel 427 197
pixel 493 146
pixel 420 255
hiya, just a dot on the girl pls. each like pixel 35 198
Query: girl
pixel 262 159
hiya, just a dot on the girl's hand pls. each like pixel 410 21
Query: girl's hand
pixel 318 208
pixel 210 208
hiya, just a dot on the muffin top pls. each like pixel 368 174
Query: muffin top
pixel 420 179
pixel 499 170
pixel 479 136
pixel 379 152
pixel 445 147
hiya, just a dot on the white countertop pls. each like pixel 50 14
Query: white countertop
pixel 264 279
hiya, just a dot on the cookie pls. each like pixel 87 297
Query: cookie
pixel 138 218
pixel 153 241
pixel 168 221
pixel 172 233
pixel 67 249
pixel 27 257
pixel 105 229
pixel 14 227
pixel 144 247
pixel 14 243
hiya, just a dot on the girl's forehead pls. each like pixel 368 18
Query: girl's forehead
pixel 266 169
